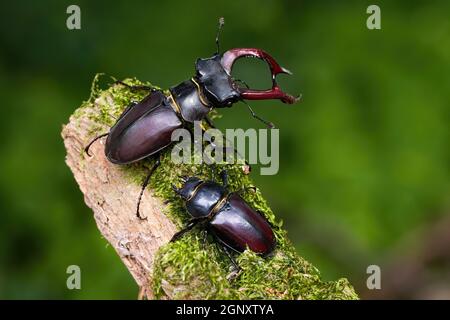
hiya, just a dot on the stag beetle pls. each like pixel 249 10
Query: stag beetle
pixel 145 128
pixel 225 215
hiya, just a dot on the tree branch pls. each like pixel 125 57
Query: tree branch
pixel 191 268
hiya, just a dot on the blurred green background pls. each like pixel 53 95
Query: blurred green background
pixel 364 172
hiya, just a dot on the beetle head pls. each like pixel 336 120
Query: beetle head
pixel 188 187
pixel 216 82
pixel 214 74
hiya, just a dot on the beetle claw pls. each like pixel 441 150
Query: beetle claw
pixel 233 274
pixel 229 58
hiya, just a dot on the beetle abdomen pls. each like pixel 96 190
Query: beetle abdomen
pixel 142 130
pixel 238 226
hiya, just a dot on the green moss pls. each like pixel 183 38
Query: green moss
pixel 195 267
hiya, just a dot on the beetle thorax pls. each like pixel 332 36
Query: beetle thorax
pixel 189 101
pixel 204 198
pixel 211 87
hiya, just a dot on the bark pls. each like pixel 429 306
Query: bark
pixel 112 198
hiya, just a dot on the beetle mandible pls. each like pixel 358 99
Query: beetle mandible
pixel 225 215
pixel 145 128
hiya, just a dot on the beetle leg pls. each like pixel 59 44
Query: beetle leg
pixel 191 224
pixel 269 124
pixel 134 88
pixel 242 82
pixel 224 177
pixel 211 167
pixel 233 261
pixel 86 149
pixel 144 185
pixel 246 167
pixel 204 239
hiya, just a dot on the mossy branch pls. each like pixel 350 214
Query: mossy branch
pixel 191 268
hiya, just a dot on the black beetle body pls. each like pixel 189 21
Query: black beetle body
pixel 227 216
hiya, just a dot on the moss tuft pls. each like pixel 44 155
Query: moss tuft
pixel 195 267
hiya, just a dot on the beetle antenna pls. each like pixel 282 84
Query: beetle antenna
pixel 86 149
pixel 269 124
pixel 219 28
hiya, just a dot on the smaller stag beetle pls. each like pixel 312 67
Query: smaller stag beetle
pixel 226 216
pixel 145 128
